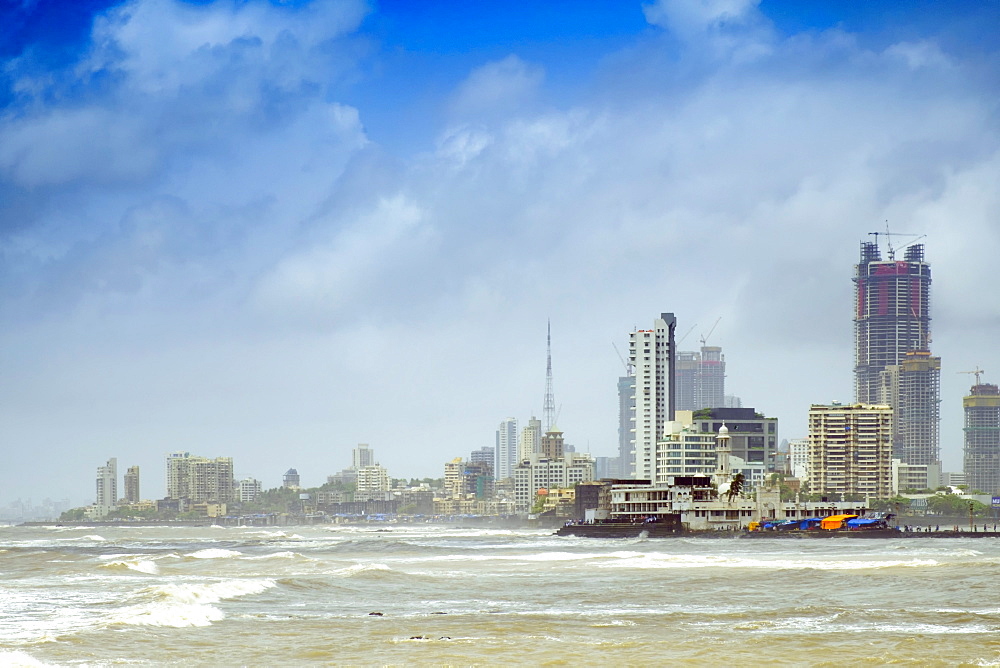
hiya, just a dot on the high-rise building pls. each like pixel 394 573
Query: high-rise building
pixel 373 483
pixel 892 360
pixel 913 389
pixel 626 426
pixel 107 487
pixel 850 450
pixel 362 455
pixel 798 458
pixel 686 380
pixel 484 455
pixel 701 379
pixel 506 448
pixel 982 438
pixel 531 439
pixel 199 479
pixel 711 385
pixel 132 485
pixel 652 355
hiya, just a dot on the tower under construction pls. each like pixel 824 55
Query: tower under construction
pixel 893 364
pixel 982 438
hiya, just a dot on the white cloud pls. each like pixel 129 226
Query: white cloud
pixel 498 88
pixel 261 264
pixel 721 29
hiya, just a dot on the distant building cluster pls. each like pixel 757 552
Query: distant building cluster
pixel 684 445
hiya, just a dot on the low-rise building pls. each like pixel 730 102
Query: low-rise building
pixel 539 472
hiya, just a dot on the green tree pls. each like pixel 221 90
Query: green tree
pixel 736 486
pixel 73 515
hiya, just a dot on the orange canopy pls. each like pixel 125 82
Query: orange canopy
pixel 835 521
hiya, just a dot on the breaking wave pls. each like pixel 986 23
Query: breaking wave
pixel 181 605
pixel 214 553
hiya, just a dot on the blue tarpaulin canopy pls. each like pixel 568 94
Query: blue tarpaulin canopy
pixel 861 522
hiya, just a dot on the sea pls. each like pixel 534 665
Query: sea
pixel 444 595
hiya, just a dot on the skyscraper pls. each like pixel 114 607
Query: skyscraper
pixel 626 426
pixel 506 448
pixel 982 438
pixel 531 439
pixel 701 379
pixel 652 355
pixel 892 361
pixel 912 388
pixel 362 455
pixel 107 487
pixel 892 314
pixel 711 388
pixel 132 485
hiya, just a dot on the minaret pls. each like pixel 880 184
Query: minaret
pixel 549 406
pixel 723 473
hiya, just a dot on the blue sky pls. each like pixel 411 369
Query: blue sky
pixel 274 230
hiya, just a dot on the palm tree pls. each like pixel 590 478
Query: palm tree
pixel 736 486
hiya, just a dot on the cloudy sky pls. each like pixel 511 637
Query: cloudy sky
pixel 273 230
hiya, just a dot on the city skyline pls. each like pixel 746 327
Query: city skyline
pixel 271 231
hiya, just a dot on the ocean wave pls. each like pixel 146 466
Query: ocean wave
pixel 214 553
pixel 141 565
pixel 278 555
pixel 363 569
pixel 183 605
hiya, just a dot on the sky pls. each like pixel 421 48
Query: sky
pixel 275 230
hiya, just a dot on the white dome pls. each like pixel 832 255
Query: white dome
pixel 723 430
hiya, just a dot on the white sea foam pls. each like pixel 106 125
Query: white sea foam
pixel 357 569
pixel 182 605
pixel 276 555
pixel 18 659
pixel 214 553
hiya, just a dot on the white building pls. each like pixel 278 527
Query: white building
pixel 683 450
pixel 700 508
pixel 373 483
pixel 506 448
pixel 362 456
pixel 249 489
pixel 107 488
pixel 798 457
pixel 538 472
pixel 652 357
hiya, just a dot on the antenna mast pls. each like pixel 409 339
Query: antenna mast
pixel 549 405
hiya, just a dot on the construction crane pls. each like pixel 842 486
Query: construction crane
pixel 704 337
pixel 888 240
pixel 629 371
pixel 681 340
pixel 977 373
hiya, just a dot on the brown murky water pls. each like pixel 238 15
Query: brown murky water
pixel 452 596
